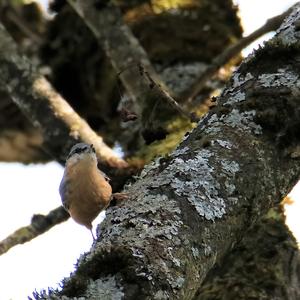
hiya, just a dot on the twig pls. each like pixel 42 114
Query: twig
pixel 167 97
pixel 61 126
pixel 39 225
pixel 233 50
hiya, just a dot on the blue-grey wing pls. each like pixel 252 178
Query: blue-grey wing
pixel 64 193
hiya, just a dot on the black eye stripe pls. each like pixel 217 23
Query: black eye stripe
pixel 78 150
pixel 81 148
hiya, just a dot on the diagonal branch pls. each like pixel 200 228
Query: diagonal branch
pixel 232 51
pixel 45 108
pixel 39 225
pixel 167 97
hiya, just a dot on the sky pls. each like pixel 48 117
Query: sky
pixel 27 190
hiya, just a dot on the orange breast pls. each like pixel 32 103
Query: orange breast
pixel 89 192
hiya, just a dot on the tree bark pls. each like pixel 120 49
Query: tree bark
pixel 264 265
pixel 185 212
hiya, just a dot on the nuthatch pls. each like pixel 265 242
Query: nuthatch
pixel 84 189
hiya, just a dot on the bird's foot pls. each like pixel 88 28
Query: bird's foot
pixel 119 197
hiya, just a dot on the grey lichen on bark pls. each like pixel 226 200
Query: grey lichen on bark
pixel 187 210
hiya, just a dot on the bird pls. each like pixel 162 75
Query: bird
pixel 84 189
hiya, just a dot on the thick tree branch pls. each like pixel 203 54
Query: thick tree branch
pixel 39 225
pixel 188 210
pixel 33 94
pixel 232 51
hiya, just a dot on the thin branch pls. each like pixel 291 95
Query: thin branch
pixel 232 51
pixel 39 225
pixel 167 97
pixel 61 126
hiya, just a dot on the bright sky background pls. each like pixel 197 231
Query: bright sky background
pixel 26 190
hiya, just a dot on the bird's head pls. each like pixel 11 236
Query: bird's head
pixel 82 151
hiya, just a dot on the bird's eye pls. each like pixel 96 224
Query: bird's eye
pixel 78 150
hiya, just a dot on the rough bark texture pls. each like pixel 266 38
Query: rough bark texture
pixel 264 265
pixel 188 210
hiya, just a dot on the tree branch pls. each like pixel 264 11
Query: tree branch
pixel 167 97
pixel 62 127
pixel 39 225
pixel 232 51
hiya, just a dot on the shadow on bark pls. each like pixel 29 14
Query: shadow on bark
pixel 264 265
